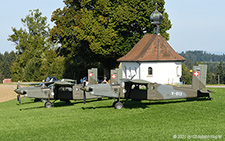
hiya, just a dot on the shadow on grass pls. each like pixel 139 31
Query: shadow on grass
pixel 139 104
pixel 24 103
pixel 31 108
pixel 57 103
pixel 96 107
pixel 130 104
pixel 64 103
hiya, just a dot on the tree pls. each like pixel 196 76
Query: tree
pixel 103 30
pixel 220 73
pixel 32 45
pixel 211 77
pixel 6 61
pixel 186 75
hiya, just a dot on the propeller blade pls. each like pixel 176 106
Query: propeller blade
pixel 84 97
pixel 18 85
pixel 19 98
pixel 17 91
pixel 84 93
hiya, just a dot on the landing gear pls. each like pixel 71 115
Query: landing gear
pixel 99 99
pixel 48 104
pixel 37 99
pixel 68 102
pixel 118 105
pixel 43 100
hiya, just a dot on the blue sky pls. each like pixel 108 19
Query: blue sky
pixel 196 24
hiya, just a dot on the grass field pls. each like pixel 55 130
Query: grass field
pixel 98 120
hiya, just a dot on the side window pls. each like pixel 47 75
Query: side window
pixel 149 70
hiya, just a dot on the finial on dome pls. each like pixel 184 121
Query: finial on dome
pixel 156 19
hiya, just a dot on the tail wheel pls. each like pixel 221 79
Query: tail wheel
pixel 118 105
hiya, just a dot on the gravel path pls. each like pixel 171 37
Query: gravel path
pixel 7 92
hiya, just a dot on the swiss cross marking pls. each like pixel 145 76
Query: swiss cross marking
pixel 196 73
pixel 90 74
pixel 113 76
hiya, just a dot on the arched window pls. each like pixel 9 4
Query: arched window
pixel 149 70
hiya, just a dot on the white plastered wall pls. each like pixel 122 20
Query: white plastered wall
pixel 162 72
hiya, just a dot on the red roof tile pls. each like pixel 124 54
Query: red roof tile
pixel 152 48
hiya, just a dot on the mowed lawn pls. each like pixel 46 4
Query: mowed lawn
pixel 98 120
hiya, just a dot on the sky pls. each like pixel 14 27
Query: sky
pixel 196 24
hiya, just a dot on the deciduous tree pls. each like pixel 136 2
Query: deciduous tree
pixel 103 30
pixel 32 47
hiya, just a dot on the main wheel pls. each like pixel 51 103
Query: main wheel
pixel 118 105
pixel 114 103
pixel 48 104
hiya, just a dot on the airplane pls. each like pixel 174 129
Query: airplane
pixel 145 90
pixel 65 90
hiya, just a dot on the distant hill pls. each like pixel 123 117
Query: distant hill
pixel 195 57
pixel 202 56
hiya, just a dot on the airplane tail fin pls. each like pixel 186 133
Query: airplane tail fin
pixel 92 76
pixel 116 75
pixel 199 75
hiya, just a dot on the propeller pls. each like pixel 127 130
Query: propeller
pixel 85 89
pixel 18 95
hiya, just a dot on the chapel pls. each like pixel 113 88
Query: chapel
pixel 152 58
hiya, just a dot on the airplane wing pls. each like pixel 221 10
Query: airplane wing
pixel 41 83
pixel 35 83
pixel 63 83
pixel 138 81
pixel 104 90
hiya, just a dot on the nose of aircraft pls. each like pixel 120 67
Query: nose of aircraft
pixel 19 91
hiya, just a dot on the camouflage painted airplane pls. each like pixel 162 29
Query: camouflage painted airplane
pixel 145 90
pixel 64 90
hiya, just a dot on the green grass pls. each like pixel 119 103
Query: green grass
pixel 98 120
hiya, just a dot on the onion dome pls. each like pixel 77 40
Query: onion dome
pixel 156 17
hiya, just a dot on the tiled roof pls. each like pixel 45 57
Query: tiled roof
pixel 152 48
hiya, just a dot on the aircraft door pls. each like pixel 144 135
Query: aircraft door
pixel 136 91
pixel 64 92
